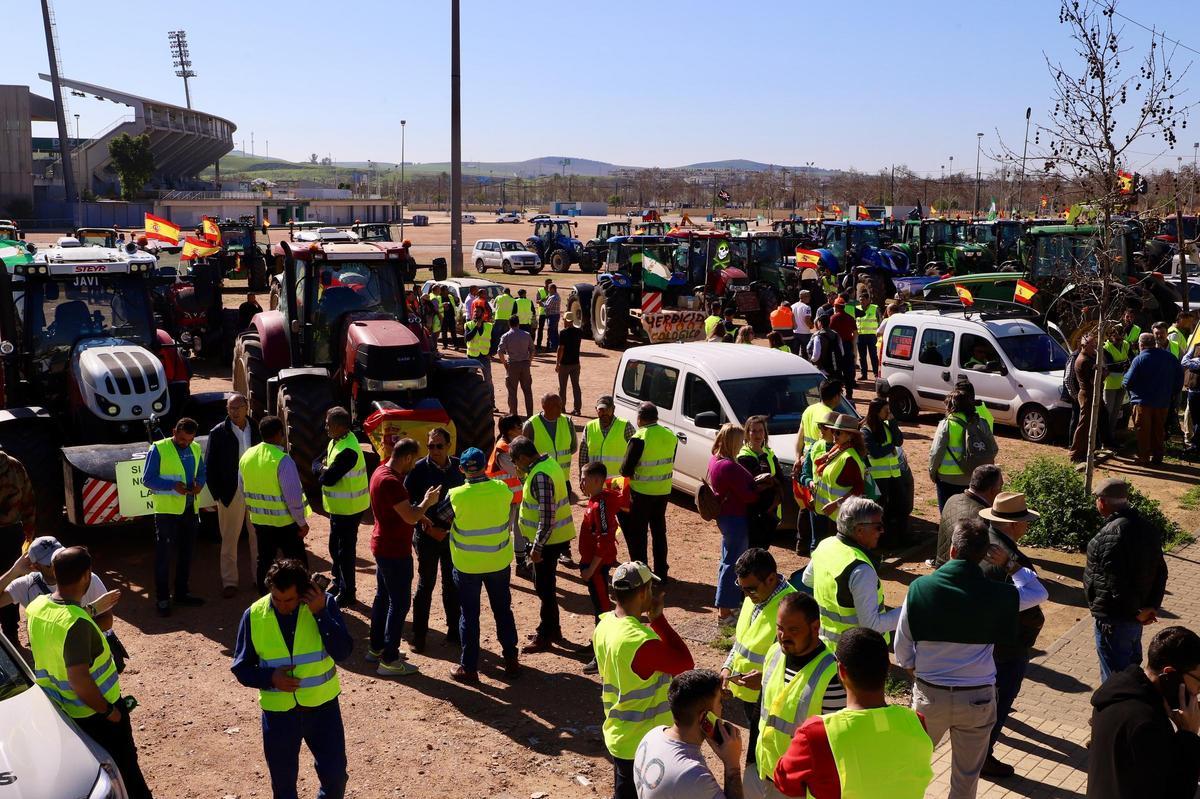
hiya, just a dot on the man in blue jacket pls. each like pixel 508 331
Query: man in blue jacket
pixel 1152 380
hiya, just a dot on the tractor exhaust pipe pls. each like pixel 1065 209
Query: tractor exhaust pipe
pixel 289 288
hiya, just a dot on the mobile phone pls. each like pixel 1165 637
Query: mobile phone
pixel 711 726
pixel 1170 686
pixel 321 581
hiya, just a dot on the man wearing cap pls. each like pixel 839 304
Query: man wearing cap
pixel 1125 577
pixel 174 472
pixel 567 362
pixel 1009 518
pixel 636 663
pixel 605 438
pixel 649 464
pixel 18 520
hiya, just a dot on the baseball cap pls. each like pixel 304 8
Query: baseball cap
pixel 472 459
pixel 605 401
pixel 1113 487
pixel 42 549
pixel 633 574
pixel 840 301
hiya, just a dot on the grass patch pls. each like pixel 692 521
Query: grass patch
pixel 724 639
pixel 1190 499
pixel 898 688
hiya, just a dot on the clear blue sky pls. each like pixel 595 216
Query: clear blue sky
pixel 643 83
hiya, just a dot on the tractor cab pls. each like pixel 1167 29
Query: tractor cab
pixel 10 230
pixel 596 250
pixel 1000 238
pixel 96 237
pixel 732 226
pixel 705 257
pixel 797 233
pixel 943 245
pixel 1055 252
pixel 241 256
pixel 651 228
pixel 554 241
pixel 372 231
pixel 326 233
pixel 760 254
pixel 606 230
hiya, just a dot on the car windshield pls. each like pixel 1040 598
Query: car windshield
pixel 865 235
pixel 374 233
pixel 59 313
pixel 236 238
pixel 1189 227
pixel 1034 352
pixel 1058 255
pixel 13 679
pixel 512 246
pixel 351 287
pixel 781 398
pixel 942 233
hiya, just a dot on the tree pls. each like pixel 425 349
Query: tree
pixel 133 162
pixel 312 159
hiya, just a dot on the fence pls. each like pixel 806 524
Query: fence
pixel 61 215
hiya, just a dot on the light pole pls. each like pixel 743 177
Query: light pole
pixel 456 260
pixel 978 149
pixel 1024 151
pixel 402 186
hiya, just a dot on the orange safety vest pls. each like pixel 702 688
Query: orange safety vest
pixel 782 319
pixel 510 479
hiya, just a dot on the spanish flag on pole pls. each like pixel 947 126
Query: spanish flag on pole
pixel 804 256
pixel 967 298
pixel 197 248
pixel 210 232
pixel 1024 292
pixel 160 229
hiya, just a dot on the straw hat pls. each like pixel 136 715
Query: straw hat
pixel 844 422
pixel 1009 506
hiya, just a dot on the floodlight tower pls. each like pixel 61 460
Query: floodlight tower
pixel 182 60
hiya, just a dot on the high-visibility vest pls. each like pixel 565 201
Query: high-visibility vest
pixel 348 495
pixel 829 286
pixel 632 706
pixel 170 467
pixel 524 310
pixel 809 423
pixel 652 475
pixel 899 766
pixel 831 562
pixel 825 479
pixel 504 307
pixel 564 523
pixel 1112 381
pixel 956 448
pixel 49 623
pixel 307 660
pixel 542 294
pixel 786 704
pixel 510 479
pixel 436 323
pixel 710 324
pixel 480 542
pixel 480 345
pixel 782 319
pixel 557 446
pixel 1131 338
pixel 868 321
pixel 887 465
pixel 746 452
pixel 608 448
pixel 752 640
pixel 985 413
pixel 265 503
pixel 1176 339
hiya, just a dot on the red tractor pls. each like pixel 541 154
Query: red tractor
pixel 339 334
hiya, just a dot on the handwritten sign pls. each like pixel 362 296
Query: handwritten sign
pixel 137 500
pixel 667 326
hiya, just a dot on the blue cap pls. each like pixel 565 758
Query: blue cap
pixel 473 459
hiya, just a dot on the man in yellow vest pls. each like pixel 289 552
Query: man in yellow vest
pixel 825 758
pixel 174 473
pixel 844 574
pixel 478 334
pixel 553 433
pixel 867 322
pixel 539 305
pixel 605 438
pixel 343 478
pixel 481 547
pixel 759 578
pixel 547 523
pixel 636 662
pixel 287 646
pixel 1118 352
pixel 649 464
pixel 831 393
pixel 274 498
pixel 523 310
pixel 74 666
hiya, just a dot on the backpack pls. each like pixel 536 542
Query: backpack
pixel 979 445
pixel 708 504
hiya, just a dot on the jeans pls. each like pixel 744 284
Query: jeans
pixel 1114 398
pixel 734 535
pixel 470 586
pixel 117 740
pixel 1009 676
pixel 1191 418
pixel 753 711
pixel 969 717
pixel 945 491
pixel 433 556
pixel 178 533
pixel 895 516
pixel 570 373
pixel 821 527
pixel 11 539
pixel 802 340
pixel 647 512
pixel 393 595
pixel 624 781
pixel 866 349
pixel 541 327
pixel 760 529
pixel 321 728
pixel 545 584
pixel 552 331
pixel 286 540
pixel 343 542
pixel 1118 645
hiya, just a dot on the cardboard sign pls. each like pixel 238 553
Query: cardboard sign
pixel 667 326
pixel 137 500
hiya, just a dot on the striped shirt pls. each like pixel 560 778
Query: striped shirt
pixel 835 694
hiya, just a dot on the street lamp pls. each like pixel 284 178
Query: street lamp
pixel 978 149
pixel 1024 151
pixel 402 186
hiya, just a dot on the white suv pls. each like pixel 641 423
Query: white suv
pixel 508 255
pixel 1015 366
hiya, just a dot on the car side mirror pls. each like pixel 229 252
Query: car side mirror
pixel 708 420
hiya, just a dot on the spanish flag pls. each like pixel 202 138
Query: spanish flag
pixel 160 229
pixel 863 213
pixel 197 248
pixel 211 233
pixel 804 256
pixel 1024 292
pixel 967 298
pixel 837 209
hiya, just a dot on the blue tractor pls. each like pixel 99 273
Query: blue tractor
pixel 853 253
pixel 554 241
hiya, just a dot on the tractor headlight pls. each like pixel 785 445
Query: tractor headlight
pixel 6 348
pixel 186 337
pixel 106 405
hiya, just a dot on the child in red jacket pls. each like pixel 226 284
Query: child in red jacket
pixel 598 535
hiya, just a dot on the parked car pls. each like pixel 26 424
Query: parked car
pixel 461 286
pixel 42 752
pixel 508 255
pixel 511 216
pixel 468 219
pixel 1015 365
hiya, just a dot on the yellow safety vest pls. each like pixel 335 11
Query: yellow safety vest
pixel 783 702
pixel 307 661
pixel 608 448
pixel 480 542
pixel 259 466
pixel 170 467
pixel 49 623
pixel 524 309
pixel 542 294
pixel 752 638
pixel 558 446
pixel 825 480
pixel 956 449
pixel 347 496
pixel 901 752
pixel 831 562
pixel 829 286
pixel 480 345
pixel 1131 338
pixel 985 413
pixel 564 523
pixel 1120 354
pixel 887 465
pixel 868 322
pixel 652 475
pixel 1176 339
pixel 504 307
pixel 436 325
pixel 632 706
pixel 809 423
pixel 710 324
pixel 746 452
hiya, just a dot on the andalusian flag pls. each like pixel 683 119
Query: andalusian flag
pixel 1024 292
pixel 992 210
pixel 804 256
pixel 655 274
pixel 967 298
pixel 160 229
pixel 210 231
pixel 197 248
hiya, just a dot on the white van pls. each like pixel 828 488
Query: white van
pixel 699 386
pixel 1015 365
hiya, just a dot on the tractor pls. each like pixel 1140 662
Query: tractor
pixel 1001 238
pixel 340 334
pixel 653 227
pixel 852 252
pixel 942 245
pixel 797 233
pixel 241 257
pixel 380 234
pixel 596 249
pixel 189 306
pixel 87 379
pixel 554 241
pixel 11 231
pixel 760 255
pixel 731 225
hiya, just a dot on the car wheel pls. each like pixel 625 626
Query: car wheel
pixel 1034 422
pixel 902 403
pixel 537 270
pixel 507 267
pixel 479 267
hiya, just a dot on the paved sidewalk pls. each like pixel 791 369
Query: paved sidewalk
pixel 1046 733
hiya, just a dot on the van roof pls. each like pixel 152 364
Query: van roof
pixel 1000 328
pixel 725 361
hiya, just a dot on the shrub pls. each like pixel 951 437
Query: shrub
pixel 1069 517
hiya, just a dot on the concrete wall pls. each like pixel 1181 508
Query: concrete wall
pixel 16 154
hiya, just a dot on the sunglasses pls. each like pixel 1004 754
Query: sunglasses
pixel 437 446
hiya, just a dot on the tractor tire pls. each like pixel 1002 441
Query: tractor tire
pixel 257 278
pixel 250 372
pixel 302 406
pixel 610 318
pixel 560 261
pixel 38 449
pixel 579 304
pixel 587 262
pixel 468 401
pixel 480 267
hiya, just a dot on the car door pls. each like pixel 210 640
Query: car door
pixel 992 380
pixel 648 381
pixel 697 396
pixel 933 375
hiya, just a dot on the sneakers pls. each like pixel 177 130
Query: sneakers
pixel 591 667
pixel 397 668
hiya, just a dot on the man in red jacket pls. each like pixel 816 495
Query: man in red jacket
pixel 598 537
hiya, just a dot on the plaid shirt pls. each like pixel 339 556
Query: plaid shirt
pixel 17 505
pixel 728 664
pixel 542 488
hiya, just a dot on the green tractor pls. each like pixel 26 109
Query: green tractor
pixel 944 246
pixel 241 257
pixel 1002 238
pixel 761 256
pixel 596 249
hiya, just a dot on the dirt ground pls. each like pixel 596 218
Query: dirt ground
pixel 197 728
